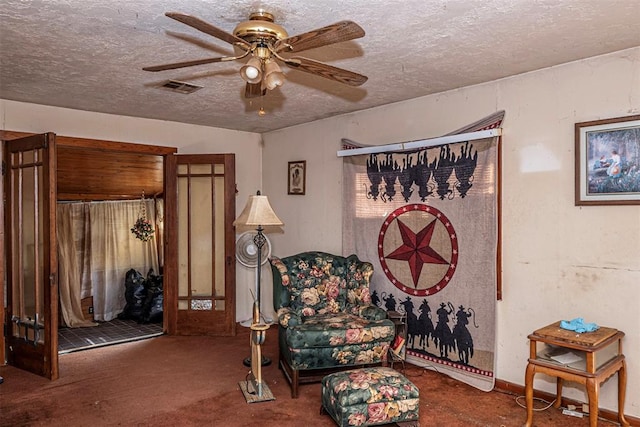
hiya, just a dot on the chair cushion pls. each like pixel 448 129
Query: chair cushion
pixel 343 356
pixel 342 339
pixel 370 396
pixel 331 330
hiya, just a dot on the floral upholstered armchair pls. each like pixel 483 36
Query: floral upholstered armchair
pixel 326 319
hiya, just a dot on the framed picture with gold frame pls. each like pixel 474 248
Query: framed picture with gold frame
pixel 608 161
pixel 297 180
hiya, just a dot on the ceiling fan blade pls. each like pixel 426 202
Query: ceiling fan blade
pixel 335 33
pixel 183 64
pixel 254 90
pixel 207 28
pixel 327 71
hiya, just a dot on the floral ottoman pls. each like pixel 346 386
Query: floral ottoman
pixel 370 396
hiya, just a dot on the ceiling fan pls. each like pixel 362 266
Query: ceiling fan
pixel 265 42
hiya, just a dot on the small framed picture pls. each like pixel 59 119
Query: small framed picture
pixel 297 177
pixel 608 162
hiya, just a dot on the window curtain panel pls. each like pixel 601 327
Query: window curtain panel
pixel 158 220
pixel 427 221
pixel 73 243
pixel 96 263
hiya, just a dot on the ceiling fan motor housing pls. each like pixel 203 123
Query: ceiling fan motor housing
pixel 260 27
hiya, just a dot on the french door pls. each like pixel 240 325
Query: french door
pixel 200 244
pixel 31 316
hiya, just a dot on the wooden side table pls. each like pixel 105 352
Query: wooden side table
pixel 604 344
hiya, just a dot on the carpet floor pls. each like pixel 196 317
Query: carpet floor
pixel 194 381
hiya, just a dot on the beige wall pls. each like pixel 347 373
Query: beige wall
pixel 559 261
pixel 188 139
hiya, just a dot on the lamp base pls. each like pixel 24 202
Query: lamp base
pixel 264 361
pixel 251 394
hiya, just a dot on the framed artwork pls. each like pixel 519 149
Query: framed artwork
pixel 608 161
pixel 297 177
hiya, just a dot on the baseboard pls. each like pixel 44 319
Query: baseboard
pixel 518 390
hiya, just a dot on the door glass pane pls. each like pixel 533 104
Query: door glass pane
pixel 219 231
pixel 41 280
pixel 200 257
pixel 201 237
pixel 183 239
pixel 201 304
pixel 27 246
pixel 201 233
pixel 28 156
pixel 200 169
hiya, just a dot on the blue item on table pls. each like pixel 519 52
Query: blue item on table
pixel 578 325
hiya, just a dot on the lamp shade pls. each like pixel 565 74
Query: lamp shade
pixel 257 213
pixel 273 76
pixel 251 72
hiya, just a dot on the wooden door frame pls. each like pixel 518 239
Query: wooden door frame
pixel 7 135
pixel 3 355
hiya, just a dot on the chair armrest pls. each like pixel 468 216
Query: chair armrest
pixel 372 312
pixel 281 283
pixel 288 317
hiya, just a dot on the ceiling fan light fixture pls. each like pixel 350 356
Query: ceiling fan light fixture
pixel 273 75
pixel 251 72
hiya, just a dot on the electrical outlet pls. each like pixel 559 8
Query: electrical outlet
pixel 91 310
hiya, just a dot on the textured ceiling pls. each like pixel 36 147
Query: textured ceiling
pixel 88 54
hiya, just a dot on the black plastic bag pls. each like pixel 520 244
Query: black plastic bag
pixel 134 294
pixel 152 309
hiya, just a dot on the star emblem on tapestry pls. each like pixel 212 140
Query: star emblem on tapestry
pixel 423 239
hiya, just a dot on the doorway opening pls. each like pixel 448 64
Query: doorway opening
pixel 109 235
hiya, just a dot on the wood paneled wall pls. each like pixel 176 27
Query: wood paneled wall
pixel 93 174
pixel 93 170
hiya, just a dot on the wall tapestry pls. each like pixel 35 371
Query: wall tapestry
pixel 427 221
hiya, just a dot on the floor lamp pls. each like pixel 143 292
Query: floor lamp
pixel 257 214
